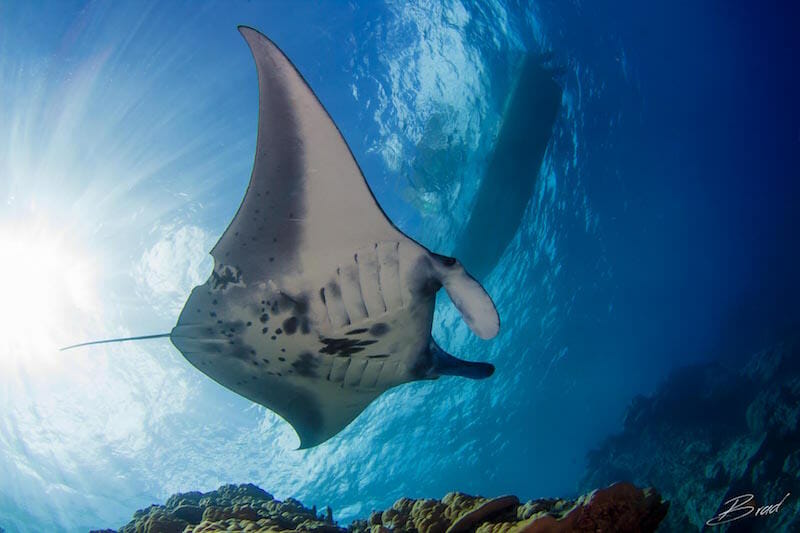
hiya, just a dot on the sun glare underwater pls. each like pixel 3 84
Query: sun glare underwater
pixel 647 221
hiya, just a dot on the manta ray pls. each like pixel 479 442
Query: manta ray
pixel 317 302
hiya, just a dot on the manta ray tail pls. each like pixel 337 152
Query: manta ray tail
pixel 123 339
pixel 445 364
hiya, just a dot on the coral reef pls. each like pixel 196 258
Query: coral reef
pixel 620 507
pixel 713 432
pixel 230 508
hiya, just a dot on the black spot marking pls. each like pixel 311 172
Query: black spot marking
pixel 282 359
pixel 356 331
pixel 249 323
pixel 378 356
pixel 278 331
pixel 378 330
pixel 264 331
pixel 263 318
pixel 366 342
pixel 212 314
pixel 266 361
pixel 290 325
pixel 273 337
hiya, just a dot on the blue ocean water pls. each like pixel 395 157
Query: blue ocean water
pixel 662 230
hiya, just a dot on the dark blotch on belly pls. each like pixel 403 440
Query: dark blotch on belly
pixel 379 329
pixel 306 364
pixel 340 346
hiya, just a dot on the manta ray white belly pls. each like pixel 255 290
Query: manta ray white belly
pixel 319 352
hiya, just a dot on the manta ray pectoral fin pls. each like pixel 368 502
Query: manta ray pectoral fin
pixel 446 364
pixel 474 304
pixel 306 193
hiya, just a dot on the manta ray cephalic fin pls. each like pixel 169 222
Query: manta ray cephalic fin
pixel 448 365
pixel 469 297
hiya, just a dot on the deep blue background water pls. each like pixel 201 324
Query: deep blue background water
pixel 662 230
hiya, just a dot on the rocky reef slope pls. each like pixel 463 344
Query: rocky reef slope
pixel 620 507
pixel 713 432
